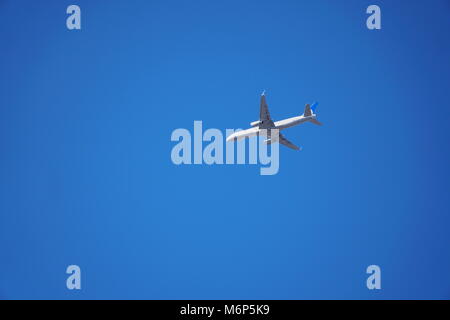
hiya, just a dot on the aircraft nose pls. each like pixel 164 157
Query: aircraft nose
pixel 230 137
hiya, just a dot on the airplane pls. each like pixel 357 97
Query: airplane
pixel 265 124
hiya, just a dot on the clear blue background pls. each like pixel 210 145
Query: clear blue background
pixel 86 176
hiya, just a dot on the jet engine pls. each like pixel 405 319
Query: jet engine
pixel 255 123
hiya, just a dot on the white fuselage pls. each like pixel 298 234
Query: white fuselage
pixel 280 125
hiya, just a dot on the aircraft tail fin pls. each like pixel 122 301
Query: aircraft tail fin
pixel 307 112
pixel 310 111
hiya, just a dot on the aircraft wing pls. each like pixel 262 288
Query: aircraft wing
pixel 264 114
pixel 281 139
pixel 287 143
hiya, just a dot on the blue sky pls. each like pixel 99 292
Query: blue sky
pixel 86 176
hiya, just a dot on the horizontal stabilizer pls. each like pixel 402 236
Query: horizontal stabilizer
pixel 311 111
pixel 316 122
